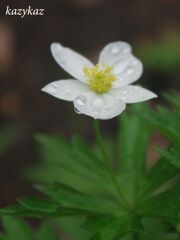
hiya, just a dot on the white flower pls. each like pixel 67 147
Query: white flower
pixel 102 90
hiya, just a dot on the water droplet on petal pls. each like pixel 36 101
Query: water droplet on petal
pixel 55 85
pixel 77 111
pixel 115 49
pixel 57 47
pixel 97 103
pixel 81 100
pixel 68 91
pixel 135 62
pixel 126 50
pixel 53 88
pixel 124 92
pixel 63 63
pixel 130 71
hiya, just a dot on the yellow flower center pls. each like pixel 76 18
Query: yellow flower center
pixel 100 77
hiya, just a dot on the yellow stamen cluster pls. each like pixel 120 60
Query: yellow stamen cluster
pixel 100 78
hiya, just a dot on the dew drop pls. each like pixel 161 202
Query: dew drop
pixel 124 92
pixel 57 47
pixel 115 49
pixel 135 63
pixel 53 88
pixel 62 63
pixel 68 91
pixel 81 100
pixel 97 103
pixel 130 71
pixel 126 50
pixel 77 111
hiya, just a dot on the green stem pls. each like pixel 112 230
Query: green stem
pixel 107 162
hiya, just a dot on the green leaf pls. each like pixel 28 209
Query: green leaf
pixel 134 136
pixel 159 174
pixel 16 229
pixel 38 204
pixel 167 122
pixel 166 205
pixel 157 230
pixel 19 210
pixel 40 211
pixel 46 232
pixel 68 162
pixel 85 154
pixel 71 198
pixel 172 155
pixel 72 228
pixel 108 227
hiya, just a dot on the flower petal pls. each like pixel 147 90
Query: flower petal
pixel 132 94
pixel 126 67
pixel 66 89
pixel 70 61
pixel 97 106
pixel 127 70
pixel 113 51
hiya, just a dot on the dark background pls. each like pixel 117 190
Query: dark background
pixel 26 65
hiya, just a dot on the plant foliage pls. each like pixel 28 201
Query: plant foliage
pixel 76 183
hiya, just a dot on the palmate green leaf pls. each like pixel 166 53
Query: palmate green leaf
pixel 71 198
pixel 49 173
pixel 154 229
pixel 39 204
pixel 19 210
pixel 159 175
pixel 157 230
pixel 172 155
pixel 111 149
pixel 72 228
pixel 134 136
pixel 109 227
pixel 40 208
pixel 59 151
pixel 73 164
pixel 166 121
pixel 166 205
pixel 45 232
pixel 17 229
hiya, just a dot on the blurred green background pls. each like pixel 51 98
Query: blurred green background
pixel 26 65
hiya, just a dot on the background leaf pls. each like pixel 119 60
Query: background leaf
pixel 134 137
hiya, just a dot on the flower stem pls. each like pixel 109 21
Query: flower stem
pixel 107 162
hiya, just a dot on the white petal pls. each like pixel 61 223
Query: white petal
pixel 113 51
pixel 126 67
pixel 66 89
pixel 97 106
pixel 132 94
pixel 127 70
pixel 70 61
